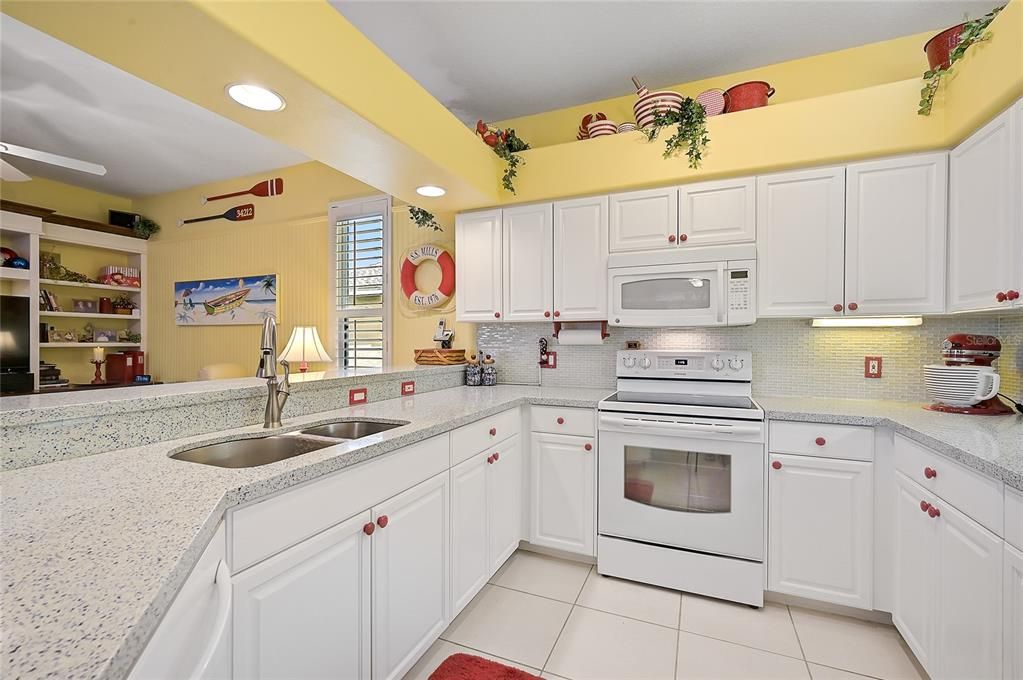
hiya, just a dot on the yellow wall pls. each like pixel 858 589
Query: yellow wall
pixel 819 75
pixel 64 198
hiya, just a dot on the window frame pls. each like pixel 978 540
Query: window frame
pixel 368 206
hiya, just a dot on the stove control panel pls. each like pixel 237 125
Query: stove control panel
pixel 686 364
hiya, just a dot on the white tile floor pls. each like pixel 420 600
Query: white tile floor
pixel 560 619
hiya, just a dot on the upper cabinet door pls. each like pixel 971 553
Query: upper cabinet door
pixel 800 234
pixel 717 212
pixel 984 230
pixel 580 259
pixel 478 266
pixel 528 262
pixel 895 217
pixel 642 220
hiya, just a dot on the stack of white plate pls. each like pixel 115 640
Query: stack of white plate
pixel 626 127
pixel 599 128
pixel 960 385
pixel 647 106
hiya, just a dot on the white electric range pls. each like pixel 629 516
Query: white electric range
pixel 681 474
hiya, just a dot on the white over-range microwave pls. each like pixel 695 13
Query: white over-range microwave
pixel 684 287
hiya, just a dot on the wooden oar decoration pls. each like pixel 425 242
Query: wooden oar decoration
pixel 263 189
pixel 239 213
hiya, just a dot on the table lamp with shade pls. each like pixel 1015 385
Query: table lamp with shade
pixel 303 347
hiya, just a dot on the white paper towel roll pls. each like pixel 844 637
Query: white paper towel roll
pixel 581 334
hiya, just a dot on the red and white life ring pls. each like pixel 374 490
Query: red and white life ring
pixel 411 262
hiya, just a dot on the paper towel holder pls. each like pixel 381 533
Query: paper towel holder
pixel 604 335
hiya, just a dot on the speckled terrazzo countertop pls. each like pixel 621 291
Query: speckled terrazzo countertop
pixel 992 445
pixel 95 548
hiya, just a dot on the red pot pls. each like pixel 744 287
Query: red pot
pixel 940 46
pixel 747 96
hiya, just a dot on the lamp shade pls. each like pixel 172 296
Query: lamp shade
pixel 303 347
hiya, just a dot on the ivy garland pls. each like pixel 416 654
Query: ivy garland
pixel 690 131
pixel 973 32
pixel 505 144
pixel 423 218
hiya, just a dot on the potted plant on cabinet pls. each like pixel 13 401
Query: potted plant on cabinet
pixel 948 47
pixel 124 305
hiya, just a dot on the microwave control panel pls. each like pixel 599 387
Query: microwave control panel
pixel 692 364
pixel 739 291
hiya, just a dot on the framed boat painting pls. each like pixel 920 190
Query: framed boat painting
pixel 244 301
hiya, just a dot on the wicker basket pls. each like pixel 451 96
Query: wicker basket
pixel 440 357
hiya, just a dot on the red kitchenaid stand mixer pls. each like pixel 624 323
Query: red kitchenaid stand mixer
pixel 967 349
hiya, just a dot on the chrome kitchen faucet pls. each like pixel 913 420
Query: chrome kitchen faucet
pixel 277 394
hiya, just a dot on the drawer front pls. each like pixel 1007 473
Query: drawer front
pixel 823 440
pixel 267 527
pixel 563 420
pixel 1014 518
pixel 469 440
pixel 972 493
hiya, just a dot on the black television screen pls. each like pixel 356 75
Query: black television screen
pixel 14 334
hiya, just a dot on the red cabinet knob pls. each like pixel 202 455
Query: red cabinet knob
pixel 930 473
pixel 497 315
pixel 382 521
pixel 561 421
pixel 588 447
pixel 933 512
pixel 556 313
pixel 1012 295
pixel 493 432
pixel 925 506
pixel 1001 297
pixel 497 456
pixel 683 237
pixel 853 306
pixel 820 441
pixel 671 238
pixel 490 459
pixel 837 308
pixel 776 465
pixel 547 315
pixel 368 528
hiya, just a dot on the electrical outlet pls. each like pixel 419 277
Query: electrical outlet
pixel 408 387
pixel 357 396
pixel 552 360
pixel 871 367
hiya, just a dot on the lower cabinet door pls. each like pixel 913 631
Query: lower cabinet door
pixel 916 569
pixel 821 529
pixel 968 640
pixel 1012 615
pixel 470 562
pixel 564 483
pixel 410 576
pixel 305 613
pixel 504 502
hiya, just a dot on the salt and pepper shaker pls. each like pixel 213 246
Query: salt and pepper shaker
pixel 473 372
pixel 489 372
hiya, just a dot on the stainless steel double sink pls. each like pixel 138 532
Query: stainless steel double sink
pixel 255 451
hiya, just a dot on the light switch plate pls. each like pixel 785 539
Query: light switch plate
pixel 871 367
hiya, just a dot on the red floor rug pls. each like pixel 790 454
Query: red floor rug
pixel 468 667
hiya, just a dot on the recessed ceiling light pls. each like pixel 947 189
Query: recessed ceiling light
pixel 255 97
pixel 868 322
pixel 431 191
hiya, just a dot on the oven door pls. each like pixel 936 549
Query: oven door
pixel 693 483
pixel 668 295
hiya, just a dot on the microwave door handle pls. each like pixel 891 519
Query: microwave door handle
pixel 722 293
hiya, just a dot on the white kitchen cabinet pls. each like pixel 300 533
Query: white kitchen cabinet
pixel 916 576
pixel 528 262
pixel 985 243
pixel 580 259
pixel 1012 614
pixel 712 213
pixel 800 243
pixel 305 613
pixel 821 529
pixel 895 229
pixel 194 638
pixel 479 266
pixel 968 623
pixel 563 513
pixel 470 561
pixel 644 220
pixel 504 502
pixel 410 576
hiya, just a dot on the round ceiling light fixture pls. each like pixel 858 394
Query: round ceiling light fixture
pixel 255 97
pixel 430 191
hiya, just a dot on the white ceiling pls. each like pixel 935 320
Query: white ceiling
pixel 497 60
pixel 57 98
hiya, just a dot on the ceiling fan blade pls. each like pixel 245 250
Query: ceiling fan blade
pixel 52 159
pixel 9 173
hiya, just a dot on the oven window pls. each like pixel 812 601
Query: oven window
pixel 667 293
pixel 685 481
